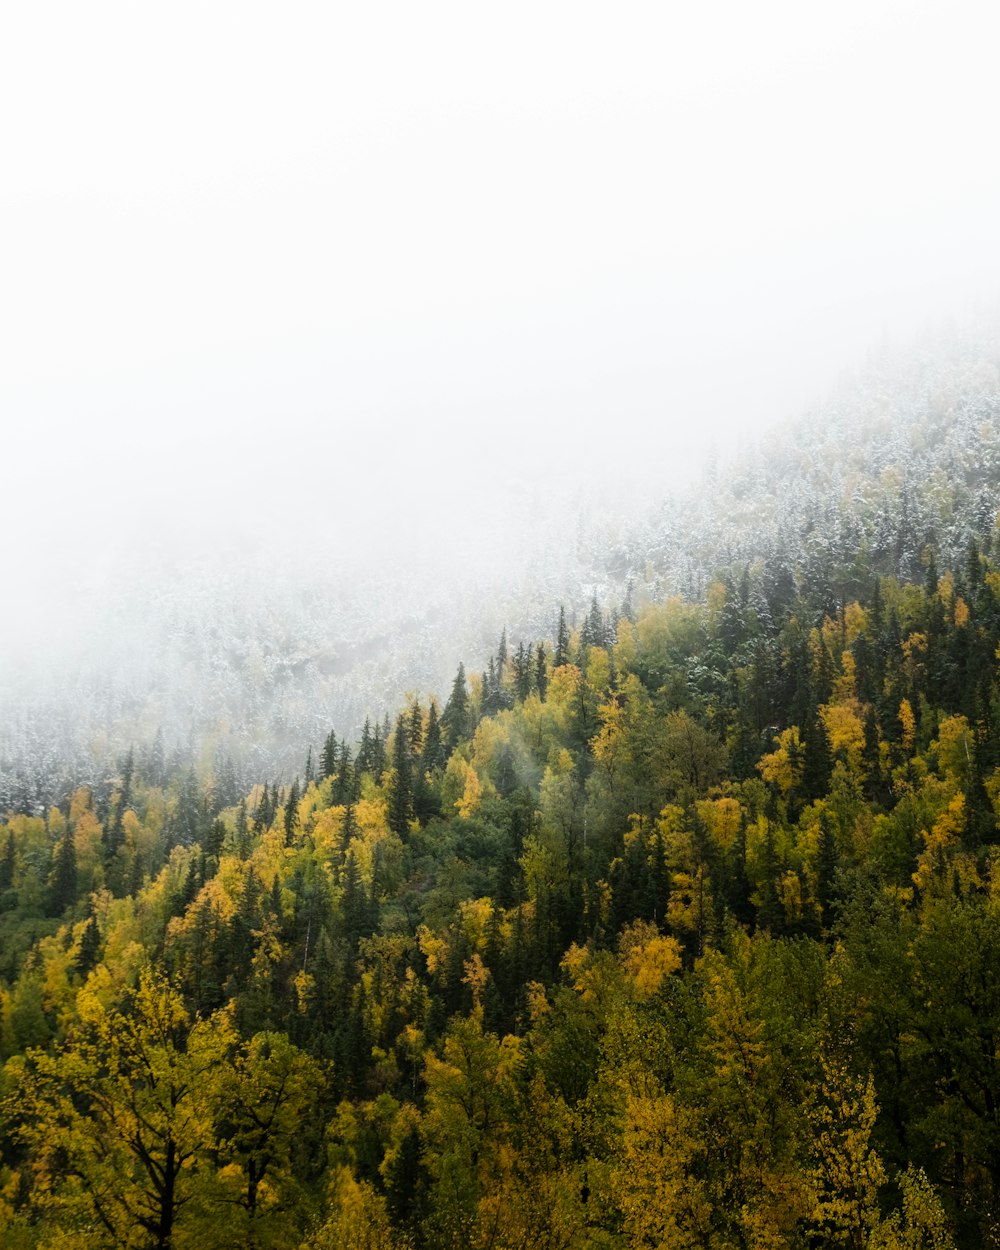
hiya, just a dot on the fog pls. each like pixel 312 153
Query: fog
pixel 388 289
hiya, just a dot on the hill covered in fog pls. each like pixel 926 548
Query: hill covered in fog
pixel 676 927
pixel 253 652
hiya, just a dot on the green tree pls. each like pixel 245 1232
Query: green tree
pixel 118 1120
pixel 455 717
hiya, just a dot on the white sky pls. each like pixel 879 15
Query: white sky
pixel 268 270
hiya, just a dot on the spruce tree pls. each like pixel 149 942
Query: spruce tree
pixel 365 748
pixel 431 757
pixel 241 836
pixel 455 717
pixel 561 656
pixel 522 672
pixel 344 786
pixel 826 870
pixel 63 881
pixel 328 757
pixel 292 812
pixel 401 792
pixel 541 672
pixel 90 947
pixel 416 729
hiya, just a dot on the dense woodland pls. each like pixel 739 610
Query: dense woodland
pixel 679 926
pixel 679 929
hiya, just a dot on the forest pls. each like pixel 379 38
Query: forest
pixel 678 928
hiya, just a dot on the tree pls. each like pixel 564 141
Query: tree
pixel 455 717
pixel 562 641
pixel 344 785
pixel 431 753
pixel 119 1118
pixel 63 881
pixel 263 1102
pixel 541 672
pixel 292 812
pixel 328 756
pixel 401 790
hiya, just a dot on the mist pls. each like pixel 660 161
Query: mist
pixel 389 296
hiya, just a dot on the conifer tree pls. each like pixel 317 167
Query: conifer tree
pixel 241 834
pixel 401 793
pixel 90 946
pixel 561 656
pixel 594 631
pixel 328 757
pixel 114 835
pixel 826 869
pixel 431 756
pixel 350 826
pixel 380 742
pixel 541 672
pixel 63 881
pixel 344 785
pixel 522 672
pixel 455 717
pixel 156 765
pixel 365 749
pixel 415 729
pixel 292 812
pixel 261 817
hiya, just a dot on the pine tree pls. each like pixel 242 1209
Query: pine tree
pixel 241 836
pixel 455 717
pixel 826 870
pixel 627 610
pixel 225 789
pixel 416 729
pixel 594 631
pixel 541 672
pixel 214 840
pixel 344 787
pixel 90 947
pixel 769 912
pixel 817 764
pixel 401 793
pixel 561 656
pixel 522 672
pixel 365 749
pixel 431 755
pixel 187 820
pixel 380 742
pixel 501 657
pixel 261 816
pixel 155 771
pixel 292 812
pixel 63 881
pixel 356 904
pixel 328 757
pixel 349 828
pixel 114 833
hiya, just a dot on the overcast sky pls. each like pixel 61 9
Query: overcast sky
pixel 269 269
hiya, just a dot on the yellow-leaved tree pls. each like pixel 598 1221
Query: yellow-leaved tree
pixel 116 1121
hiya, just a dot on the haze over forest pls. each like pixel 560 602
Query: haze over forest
pixel 374 307
pixel 499 691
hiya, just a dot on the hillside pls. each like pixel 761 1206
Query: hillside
pixel 678 926
pixel 253 652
